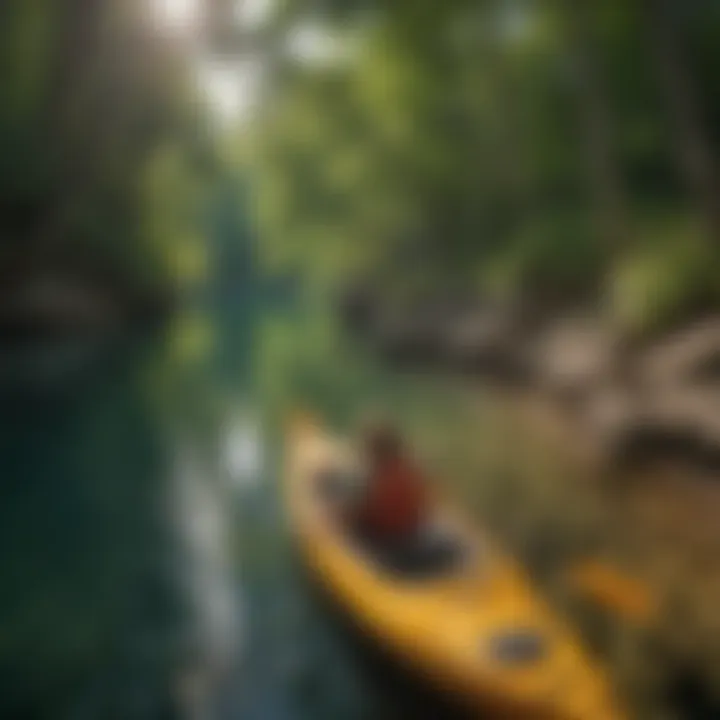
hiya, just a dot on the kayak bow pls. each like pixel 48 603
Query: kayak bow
pixel 474 630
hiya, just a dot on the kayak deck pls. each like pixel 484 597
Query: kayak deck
pixel 471 627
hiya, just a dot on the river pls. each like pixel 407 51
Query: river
pixel 146 568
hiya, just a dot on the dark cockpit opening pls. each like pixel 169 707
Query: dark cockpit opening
pixel 434 551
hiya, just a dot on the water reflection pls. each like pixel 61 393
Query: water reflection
pixel 147 571
pixel 117 595
pixel 242 450
pixel 196 511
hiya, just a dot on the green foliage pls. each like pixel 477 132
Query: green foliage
pixel 406 157
pixel 99 173
pixel 554 259
pixel 666 281
pixel 505 145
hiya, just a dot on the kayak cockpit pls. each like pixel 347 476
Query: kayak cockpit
pixel 436 551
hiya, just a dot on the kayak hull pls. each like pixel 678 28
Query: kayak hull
pixel 442 629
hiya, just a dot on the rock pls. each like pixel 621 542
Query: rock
pixel 485 341
pixel 667 405
pixel 410 335
pixel 680 423
pixel 358 307
pixel 575 358
pixel 612 415
pixel 677 411
pixel 689 356
pixel 691 412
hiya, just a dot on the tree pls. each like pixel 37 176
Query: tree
pixel 604 171
pixel 695 152
pixel 91 95
pixel 511 147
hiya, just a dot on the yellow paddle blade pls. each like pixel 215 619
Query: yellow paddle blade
pixel 614 590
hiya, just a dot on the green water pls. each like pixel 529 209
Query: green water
pixel 146 569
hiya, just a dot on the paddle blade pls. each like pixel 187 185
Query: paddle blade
pixel 613 590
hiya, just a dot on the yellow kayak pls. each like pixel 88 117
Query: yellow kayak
pixel 471 626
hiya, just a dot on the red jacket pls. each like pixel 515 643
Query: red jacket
pixel 395 504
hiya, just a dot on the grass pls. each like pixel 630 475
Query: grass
pixel 525 473
pixel 512 469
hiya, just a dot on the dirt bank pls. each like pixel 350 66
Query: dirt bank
pixel 631 399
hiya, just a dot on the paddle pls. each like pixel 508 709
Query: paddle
pixel 613 590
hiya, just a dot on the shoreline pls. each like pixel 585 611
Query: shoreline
pixel 519 469
pixel 632 401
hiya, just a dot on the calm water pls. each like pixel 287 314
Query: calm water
pixel 146 571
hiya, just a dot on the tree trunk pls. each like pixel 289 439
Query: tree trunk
pixel 604 170
pixel 78 35
pixel 77 39
pixel 694 151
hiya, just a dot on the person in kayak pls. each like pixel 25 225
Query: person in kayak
pixel 394 506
